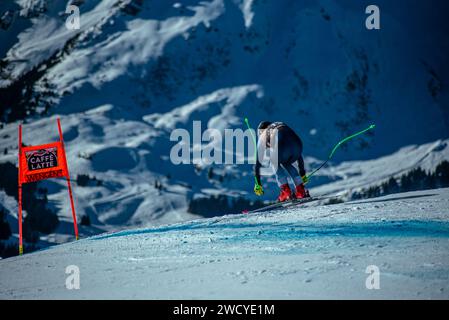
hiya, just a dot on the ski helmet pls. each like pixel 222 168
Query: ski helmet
pixel 263 125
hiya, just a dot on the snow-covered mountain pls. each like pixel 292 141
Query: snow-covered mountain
pixel 136 70
pixel 316 64
pixel 324 252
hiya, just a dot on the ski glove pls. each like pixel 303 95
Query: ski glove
pixel 305 179
pixel 258 190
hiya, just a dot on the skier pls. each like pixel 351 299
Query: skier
pixel 289 151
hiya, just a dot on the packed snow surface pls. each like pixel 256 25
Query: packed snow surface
pixel 313 251
pixel 136 71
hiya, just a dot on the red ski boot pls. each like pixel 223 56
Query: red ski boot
pixel 286 193
pixel 301 192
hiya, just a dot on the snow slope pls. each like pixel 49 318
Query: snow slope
pixel 311 252
pixel 136 70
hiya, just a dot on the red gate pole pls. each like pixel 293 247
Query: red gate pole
pixel 61 139
pixel 19 218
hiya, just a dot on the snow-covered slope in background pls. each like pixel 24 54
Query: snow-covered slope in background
pixel 138 69
pixel 350 176
pixel 300 253
pixel 321 70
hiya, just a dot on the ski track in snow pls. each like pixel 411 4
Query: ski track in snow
pixel 309 252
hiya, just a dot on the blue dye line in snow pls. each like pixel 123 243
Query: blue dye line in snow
pixel 269 231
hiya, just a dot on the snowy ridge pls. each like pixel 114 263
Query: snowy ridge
pixel 223 117
pixel 353 175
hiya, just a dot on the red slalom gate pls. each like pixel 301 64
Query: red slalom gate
pixel 43 162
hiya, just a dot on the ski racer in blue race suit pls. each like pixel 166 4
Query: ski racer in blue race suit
pixel 280 137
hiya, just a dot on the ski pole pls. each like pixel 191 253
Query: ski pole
pixel 337 146
pixel 255 149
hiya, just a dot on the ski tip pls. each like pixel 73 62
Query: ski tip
pixel 372 126
pixel 245 211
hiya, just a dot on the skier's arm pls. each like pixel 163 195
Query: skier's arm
pixel 257 171
pixel 258 190
pixel 259 150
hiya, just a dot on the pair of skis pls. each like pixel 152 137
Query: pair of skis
pixel 286 204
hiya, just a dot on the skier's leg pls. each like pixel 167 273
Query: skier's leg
pixel 280 173
pixel 289 150
pixel 281 178
pixel 293 172
pixel 300 191
pixel 285 152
